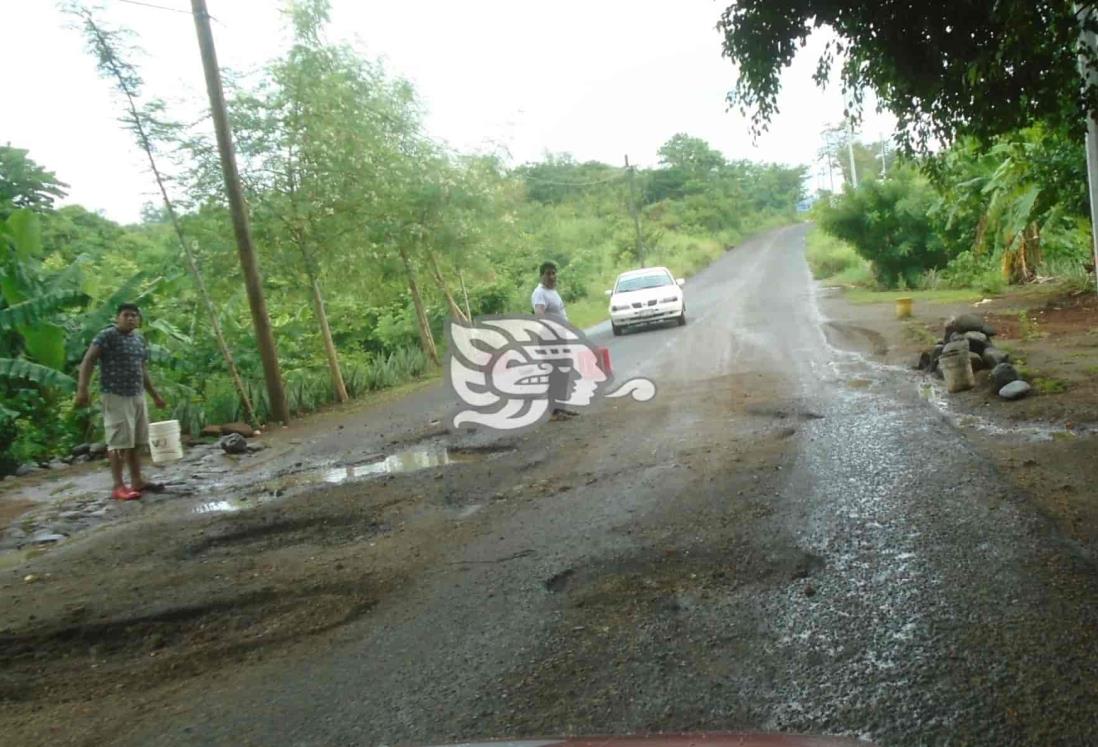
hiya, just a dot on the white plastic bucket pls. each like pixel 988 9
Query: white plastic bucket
pixel 957 370
pixel 164 442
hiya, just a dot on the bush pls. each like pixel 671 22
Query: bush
pixel 887 223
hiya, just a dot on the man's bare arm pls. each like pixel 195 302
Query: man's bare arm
pixel 86 366
pixel 149 386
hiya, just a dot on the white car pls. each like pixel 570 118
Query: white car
pixel 645 297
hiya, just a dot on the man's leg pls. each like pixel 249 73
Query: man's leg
pixel 133 458
pixel 116 458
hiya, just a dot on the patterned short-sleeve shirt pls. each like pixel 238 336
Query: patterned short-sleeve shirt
pixel 120 362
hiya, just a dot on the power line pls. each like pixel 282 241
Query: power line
pixel 154 6
pixel 593 182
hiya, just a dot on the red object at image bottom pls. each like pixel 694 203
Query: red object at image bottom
pixel 680 740
pixel 604 360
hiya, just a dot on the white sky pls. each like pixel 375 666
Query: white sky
pixel 597 79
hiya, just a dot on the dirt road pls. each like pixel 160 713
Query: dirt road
pixel 788 537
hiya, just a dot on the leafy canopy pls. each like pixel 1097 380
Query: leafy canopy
pixel 942 68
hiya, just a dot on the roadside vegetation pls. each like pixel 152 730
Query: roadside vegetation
pixel 980 216
pixel 370 235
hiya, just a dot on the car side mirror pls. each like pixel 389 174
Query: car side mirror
pixel 609 292
pixel 681 282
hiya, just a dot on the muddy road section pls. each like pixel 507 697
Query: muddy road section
pixel 788 537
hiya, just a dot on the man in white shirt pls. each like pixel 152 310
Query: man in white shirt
pixel 548 303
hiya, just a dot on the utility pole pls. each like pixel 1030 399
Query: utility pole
pixel 884 158
pixel 850 152
pixel 268 353
pixel 630 172
pixel 1090 77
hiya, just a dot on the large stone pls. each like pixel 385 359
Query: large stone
pixel 994 356
pixel 977 362
pixel 1003 374
pixel 27 469
pixel 957 346
pixel 242 429
pixel 81 450
pixel 233 443
pixel 56 464
pixel 1015 390
pixel 97 450
pixel 964 323
pixel 211 430
pixel 989 330
pixel 977 342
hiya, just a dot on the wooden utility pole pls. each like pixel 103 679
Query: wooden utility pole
pixel 268 353
pixel 630 172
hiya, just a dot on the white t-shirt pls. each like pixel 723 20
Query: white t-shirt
pixel 551 300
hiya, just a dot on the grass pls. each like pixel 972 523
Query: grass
pixel 832 259
pixel 589 311
pixel 1049 385
pixel 945 295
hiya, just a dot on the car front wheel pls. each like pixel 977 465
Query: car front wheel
pixel 682 317
pixel 616 329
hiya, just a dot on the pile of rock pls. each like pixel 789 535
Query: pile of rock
pixel 970 336
pixel 79 454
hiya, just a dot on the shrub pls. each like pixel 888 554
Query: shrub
pixel 887 223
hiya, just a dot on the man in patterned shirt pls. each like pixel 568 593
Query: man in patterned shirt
pixel 123 379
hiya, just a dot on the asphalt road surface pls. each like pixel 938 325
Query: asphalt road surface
pixel 786 538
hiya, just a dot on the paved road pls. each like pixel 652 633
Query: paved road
pixel 788 538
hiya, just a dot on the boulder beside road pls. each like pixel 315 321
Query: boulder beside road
pixel 1015 390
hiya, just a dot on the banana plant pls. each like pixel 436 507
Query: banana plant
pixel 32 336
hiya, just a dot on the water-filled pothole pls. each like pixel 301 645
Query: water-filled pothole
pixel 409 460
pixel 412 459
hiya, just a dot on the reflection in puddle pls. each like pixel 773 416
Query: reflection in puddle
pixel 214 507
pixel 410 460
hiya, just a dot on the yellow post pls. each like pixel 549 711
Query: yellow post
pixel 903 308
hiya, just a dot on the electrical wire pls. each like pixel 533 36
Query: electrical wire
pixel 154 6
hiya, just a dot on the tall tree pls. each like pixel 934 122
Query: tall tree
pixel 943 69
pixel 146 125
pixel 25 184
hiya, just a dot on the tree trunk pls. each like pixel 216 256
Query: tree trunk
pixel 455 310
pixel 215 324
pixel 110 61
pixel 425 337
pixel 338 387
pixel 465 293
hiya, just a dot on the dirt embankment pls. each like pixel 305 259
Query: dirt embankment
pixel 1044 442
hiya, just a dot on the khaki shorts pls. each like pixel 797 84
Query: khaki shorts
pixel 125 421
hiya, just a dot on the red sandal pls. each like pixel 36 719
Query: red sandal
pixel 125 494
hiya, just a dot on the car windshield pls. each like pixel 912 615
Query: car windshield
pixel 640 282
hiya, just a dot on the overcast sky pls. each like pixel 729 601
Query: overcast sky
pixel 597 79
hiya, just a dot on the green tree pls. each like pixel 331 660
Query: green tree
pixel 887 222
pixel 25 184
pixel 943 69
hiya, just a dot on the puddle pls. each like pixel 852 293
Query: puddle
pixel 409 460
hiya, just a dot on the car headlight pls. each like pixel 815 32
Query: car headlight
pixel 669 299
pixel 618 308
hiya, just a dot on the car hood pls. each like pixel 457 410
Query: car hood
pixel 644 296
pixel 680 740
